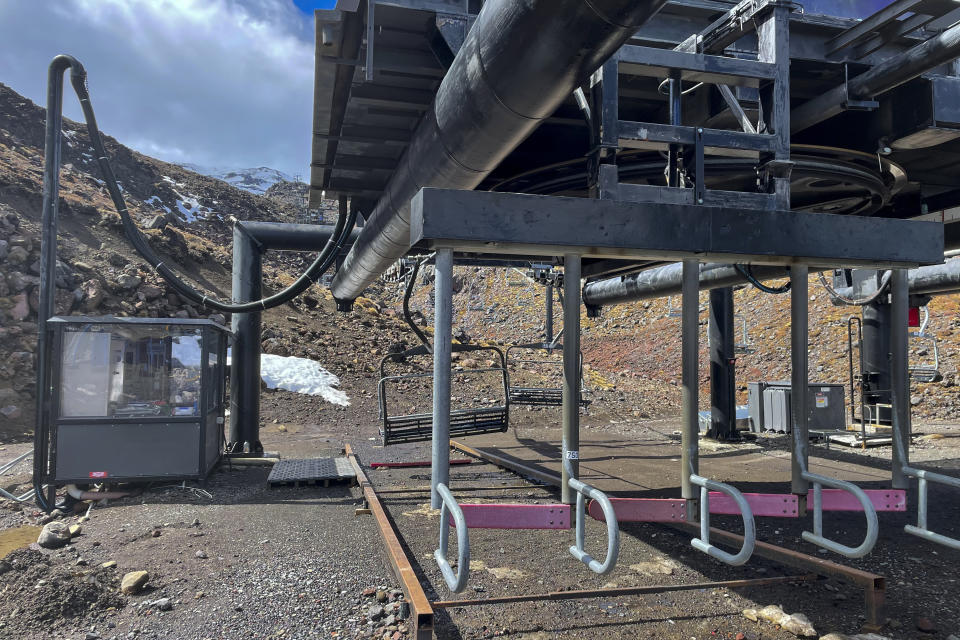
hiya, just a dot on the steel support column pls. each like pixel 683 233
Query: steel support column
pixel 899 376
pixel 723 405
pixel 690 350
pixel 245 360
pixel 799 319
pixel 442 344
pixel 876 357
pixel 571 372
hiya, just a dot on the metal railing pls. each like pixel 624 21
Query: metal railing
pixel 817 537
pixel 584 491
pixel 921 530
pixel 749 525
pixel 456 582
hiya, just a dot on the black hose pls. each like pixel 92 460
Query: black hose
pixel 747 272
pixel 850 302
pixel 320 265
pixel 408 292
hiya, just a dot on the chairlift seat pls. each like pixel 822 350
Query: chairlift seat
pixel 540 396
pixel 418 427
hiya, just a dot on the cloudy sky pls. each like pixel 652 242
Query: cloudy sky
pixel 225 83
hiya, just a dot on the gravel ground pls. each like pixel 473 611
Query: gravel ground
pixel 295 563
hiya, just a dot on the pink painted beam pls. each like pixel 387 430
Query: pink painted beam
pixel 882 499
pixel 642 510
pixel 516 516
pixel 769 505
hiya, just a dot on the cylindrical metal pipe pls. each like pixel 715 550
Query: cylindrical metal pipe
pixel 442 347
pixel 245 355
pixel 48 262
pixel 889 74
pixel 899 376
pixel 502 84
pixel 667 280
pixel 282 236
pixel 935 279
pixel 571 373
pixel 799 375
pixel 690 378
pixel 723 409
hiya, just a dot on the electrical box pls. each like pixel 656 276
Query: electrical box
pixel 770 406
pixel 133 399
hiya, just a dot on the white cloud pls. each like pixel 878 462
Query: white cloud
pixel 213 82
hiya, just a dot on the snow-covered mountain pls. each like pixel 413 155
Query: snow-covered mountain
pixel 255 180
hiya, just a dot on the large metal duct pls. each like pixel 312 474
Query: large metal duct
pixel 932 280
pixel 667 281
pixel 519 62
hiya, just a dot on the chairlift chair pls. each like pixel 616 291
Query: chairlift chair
pixel 745 345
pixel 418 427
pixel 926 371
pixel 539 396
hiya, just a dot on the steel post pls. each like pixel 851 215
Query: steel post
pixel 899 376
pixel 690 349
pixel 799 319
pixel 571 372
pixel 723 410
pixel 245 359
pixel 442 344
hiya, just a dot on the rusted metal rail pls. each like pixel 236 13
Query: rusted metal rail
pixel 874 585
pixel 421 611
pixel 581 594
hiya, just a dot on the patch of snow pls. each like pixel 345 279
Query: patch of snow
pixel 189 207
pixel 301 375
pixel 155 201
pixel 255 180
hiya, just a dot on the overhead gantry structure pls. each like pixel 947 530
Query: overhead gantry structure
pixel 647 147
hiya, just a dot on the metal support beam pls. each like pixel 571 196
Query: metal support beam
pixel 900 377
pixel 545 226
pixel 799 319
pixel 690 350
pixel 723 406
pixel 889 74
pixel 442 345
pixel 571 372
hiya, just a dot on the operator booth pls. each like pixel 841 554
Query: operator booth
pixel 134 399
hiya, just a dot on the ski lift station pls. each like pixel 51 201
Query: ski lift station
pixel 610 151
